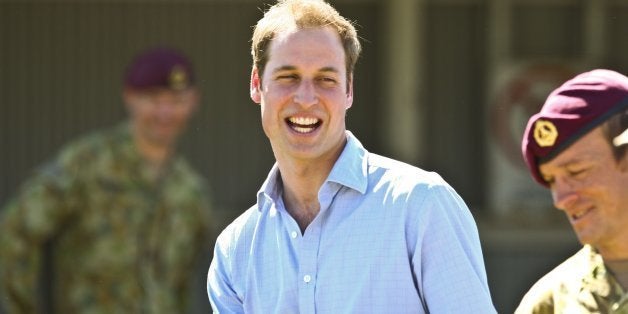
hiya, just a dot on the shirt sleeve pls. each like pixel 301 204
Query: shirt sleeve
pixel 222 295
pixel 448 258
pixel 28 221
pixel 530 305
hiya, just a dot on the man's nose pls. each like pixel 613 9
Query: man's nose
pixel 305 94
pixel 563 193
pixel 165 107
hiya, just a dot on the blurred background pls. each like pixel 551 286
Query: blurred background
pixel 446 85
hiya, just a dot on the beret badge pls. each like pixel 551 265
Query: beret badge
pixel 545 133
pixel 178 78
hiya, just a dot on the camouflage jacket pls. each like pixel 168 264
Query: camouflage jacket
pixel 582 284
pixel 118 240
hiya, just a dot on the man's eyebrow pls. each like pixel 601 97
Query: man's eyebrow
pixel 292 68
pixel 285 68
pixel 329 69
pixel 582 158
pixel 569 162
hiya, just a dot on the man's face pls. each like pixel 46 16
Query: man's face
pixel 158 116
pixel 591 187
pixel 304 94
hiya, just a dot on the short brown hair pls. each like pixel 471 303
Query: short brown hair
pixel 287 14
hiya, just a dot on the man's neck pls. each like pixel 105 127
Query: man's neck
pixel 619 269
pixel 301 183
pixel 302 179
pixel 156 155
pixel 615 256
pixel 614 250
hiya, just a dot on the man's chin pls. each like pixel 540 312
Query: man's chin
pixel 163 139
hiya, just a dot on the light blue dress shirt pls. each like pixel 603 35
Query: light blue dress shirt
pixel 389 238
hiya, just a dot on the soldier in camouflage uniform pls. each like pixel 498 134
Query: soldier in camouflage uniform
pixel 576 146
pixel 122 217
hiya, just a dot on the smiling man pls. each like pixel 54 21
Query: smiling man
pixel 337 229
pixel 576 146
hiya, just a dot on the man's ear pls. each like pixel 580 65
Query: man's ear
pixel 622 164
pixel 128 98
pixel 256 86
pixel 196 98
pixel 349 91
pixel 617 143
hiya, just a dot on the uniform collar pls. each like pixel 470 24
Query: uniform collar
pixel 128 151
pixel 599 280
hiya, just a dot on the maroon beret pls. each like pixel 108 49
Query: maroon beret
pixel 159 67
pixel 571 111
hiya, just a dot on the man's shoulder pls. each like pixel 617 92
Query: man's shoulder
pixel 89 145
pixel 572 269
pixel 399 171
pixel 245 220
pixel 75 156
pixel 235 233
pixel 563 279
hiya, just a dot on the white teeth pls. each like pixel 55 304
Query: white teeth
pixel 303 124
pixel 302 130
pixel 303 120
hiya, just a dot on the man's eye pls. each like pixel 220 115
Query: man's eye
pixel 327 80
pixel 549 180
pixel 287 77
pixel 577 172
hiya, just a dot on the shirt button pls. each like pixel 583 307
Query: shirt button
pixel 293 234
pixel 307 278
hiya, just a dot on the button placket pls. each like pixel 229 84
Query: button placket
pixel 308 256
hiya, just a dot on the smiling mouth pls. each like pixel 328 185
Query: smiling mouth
pixel 303 125
pixel 580 214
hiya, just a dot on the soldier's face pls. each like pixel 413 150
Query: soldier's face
pixel 590 186
pixel 159 116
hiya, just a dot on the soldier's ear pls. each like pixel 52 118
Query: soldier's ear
pixel 128 97
pixel 256 86
pixel 195 98
pixel 621 142
pixel 622 164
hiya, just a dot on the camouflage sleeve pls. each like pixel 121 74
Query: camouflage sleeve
pixel 537 308
pixel 202 248
pixel 28 222
pixel 205 215
pixel 208 216
pixel 539 300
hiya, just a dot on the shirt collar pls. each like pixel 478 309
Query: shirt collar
pixel 598 279
pixel 270 188
pixel 350 170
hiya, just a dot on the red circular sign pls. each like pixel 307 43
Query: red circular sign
pixel 521 97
